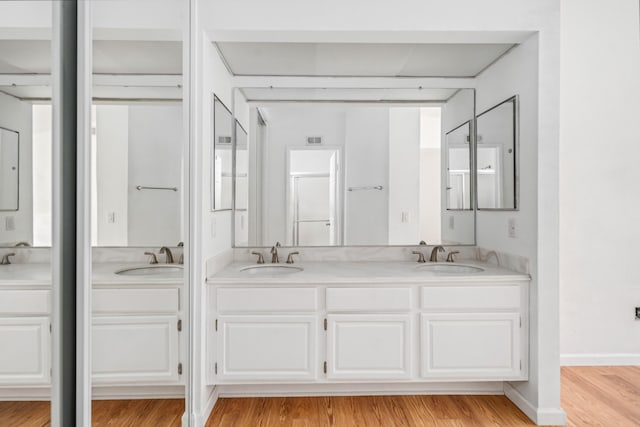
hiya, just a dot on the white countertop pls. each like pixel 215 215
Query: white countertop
pixel 363 273
pixel 39 274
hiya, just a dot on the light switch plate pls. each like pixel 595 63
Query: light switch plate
pixel 9 223
pixel 512 228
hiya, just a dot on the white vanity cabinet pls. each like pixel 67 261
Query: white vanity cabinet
pixel 473 332
pixel 368 333
pixel 136 335
pixel 25 337
pixel 443 330
pixel 266 334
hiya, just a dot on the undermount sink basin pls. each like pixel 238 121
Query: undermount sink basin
pixel 153 270
pixel 269 269
pixel 451 268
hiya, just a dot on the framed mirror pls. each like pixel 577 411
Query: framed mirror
pixel 497 156
pixel 222 157
pixel 9 169
pixel 339 167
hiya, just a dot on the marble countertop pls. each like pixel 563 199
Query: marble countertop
pixel 363 273
pixel 39 274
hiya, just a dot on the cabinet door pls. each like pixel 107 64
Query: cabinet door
pixel 132 349
pixel 368 346
pixel 25 357
pixel 267 348
pixel 471 346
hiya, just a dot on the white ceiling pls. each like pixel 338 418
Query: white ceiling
pixel 359 59
pixel 109 57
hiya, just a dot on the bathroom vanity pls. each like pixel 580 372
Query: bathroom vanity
pixel 366 322
pixel 137 340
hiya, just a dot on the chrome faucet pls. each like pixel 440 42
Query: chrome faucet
pixel 434 253
pixel 154 259
pixel 274 255
pixel 169 256
pixel 420 256
pixel 260 257
pixel 5 258
pixel 290 256
pixel 450 256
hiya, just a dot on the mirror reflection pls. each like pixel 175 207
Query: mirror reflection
pixel 9 154
pixel 330 172
pixel 222 152
pixel 497 156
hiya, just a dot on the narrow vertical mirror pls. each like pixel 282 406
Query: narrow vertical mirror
pixel 138 342
pixel 497 154
pixel 25 212
pixel 221 153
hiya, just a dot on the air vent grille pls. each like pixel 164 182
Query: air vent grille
pixel 314 140
pixel 224 140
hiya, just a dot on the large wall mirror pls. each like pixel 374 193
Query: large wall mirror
pixel 497 156
pixel 9 169
pixel 339 167
pixel 222 157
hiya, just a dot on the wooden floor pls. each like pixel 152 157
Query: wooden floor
pixel 592 396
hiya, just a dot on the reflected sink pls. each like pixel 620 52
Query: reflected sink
pixel 450 268
pixel 270 269
pixel 153 270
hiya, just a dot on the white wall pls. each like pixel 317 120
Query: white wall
pixel 112 148
pixel 155 150
pixel 517 74
pixel 600 148
pixel 42 173
pixel 367 164
pixel 430 174
pixel 420 20
pixel 404 176
pixel 16 115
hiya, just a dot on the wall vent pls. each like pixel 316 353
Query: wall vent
pixel 314 140
pixel 224 140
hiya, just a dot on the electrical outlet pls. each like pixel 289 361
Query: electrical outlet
pixel 405 217
pixel 111 217
pixel 637 313
pixel 512 228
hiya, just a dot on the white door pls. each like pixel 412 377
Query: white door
pixel 135 349
pixel 25 357
pixel 470 346
pixel 267 348
pixel 368 346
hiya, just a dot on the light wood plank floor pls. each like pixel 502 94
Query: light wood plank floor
pixel 592 396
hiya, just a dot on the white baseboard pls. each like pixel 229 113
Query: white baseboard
pixel 355 389
pixel 211 403
pixel 98 393
pixel 540 416
pixel 606 359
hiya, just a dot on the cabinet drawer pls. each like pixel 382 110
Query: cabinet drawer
pixel 27 302
pixel 368 299
pixel 471 298
pixel 152 301
pixel 245 300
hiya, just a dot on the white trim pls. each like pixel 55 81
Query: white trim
pixel 540 416
pixel 202 417
pixel 604 359
pixel 352 83
pixel 359 389
pixel 98 393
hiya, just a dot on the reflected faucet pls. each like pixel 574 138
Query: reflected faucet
pixel 274 254
pixel 5 259
pixel 25 244
pixel 168 255
pixel 154 259
pixel 434 253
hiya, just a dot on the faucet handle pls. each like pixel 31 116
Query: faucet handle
pixel 154 259
pixel 290 257
pixel 260 257
pixel 420 256
pixel 5 258
pixel 450 256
